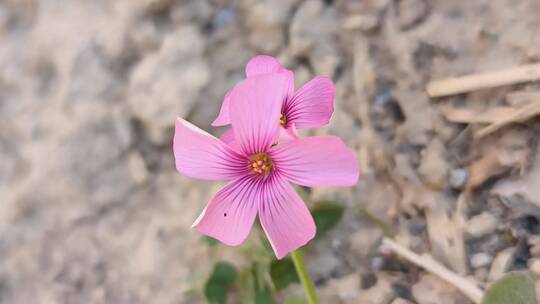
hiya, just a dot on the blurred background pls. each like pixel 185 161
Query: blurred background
pixel 93 211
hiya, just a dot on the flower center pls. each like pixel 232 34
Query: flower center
pixel 261 163
pixel 282 120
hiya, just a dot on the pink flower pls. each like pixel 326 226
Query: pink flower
pixel 309 107
pixel 260 172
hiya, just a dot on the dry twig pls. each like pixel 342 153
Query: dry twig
pixel 458 85
pixel 468 116
pixel 425 261
pixel 520 98
pixel 524 113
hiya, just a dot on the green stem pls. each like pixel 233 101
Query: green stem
pixel 303 274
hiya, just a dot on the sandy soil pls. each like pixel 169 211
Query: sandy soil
pixel 92 210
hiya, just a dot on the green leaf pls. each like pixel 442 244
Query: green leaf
pixel 304 193
pixel 263 296
pixel 513 288
pixel 295 300
pixel 326 215
pixel 266 247
pixel 283 273
pixel 253 287
pixel 209 241
pixel 262 274
pixel 220 281
pixel 246 286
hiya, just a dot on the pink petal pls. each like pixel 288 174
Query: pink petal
pixel 255 107
pixel 258 65
pixel 312 105
pixel 231 213
pixel 290 82
pixel 228 138
pixel 201 155
pixel 288 134
pixel 284 217
pixel 223 116
pixel 316 161
pixel 262 64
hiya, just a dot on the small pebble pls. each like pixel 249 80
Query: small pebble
pixel 481 274
pixel 533 240
pixel 377 263
pixel 481 259
pixel 412 13
pixel 534 267
pixel 137 167
pixel 458 178
pixel 535 251
pixel 481 225
pixel 400 301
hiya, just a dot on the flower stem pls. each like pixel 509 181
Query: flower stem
pixel 303 274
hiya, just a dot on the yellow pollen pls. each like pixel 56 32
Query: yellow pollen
pixel 282 120
pixel 261 163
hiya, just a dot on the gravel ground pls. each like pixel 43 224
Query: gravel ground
pixel 92 210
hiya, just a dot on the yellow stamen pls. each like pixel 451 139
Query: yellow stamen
pixel 261 163
pixel 282 120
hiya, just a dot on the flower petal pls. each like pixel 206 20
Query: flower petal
pixel 288 134
pixel 228 138
pixel 223 118
pixel 201 155
pixel 262 64
pixel 231 213
pixel 316 161
pixel 258 65
pixel 290 83
pixel 312 105
pixel 284 217
pixel 255 107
